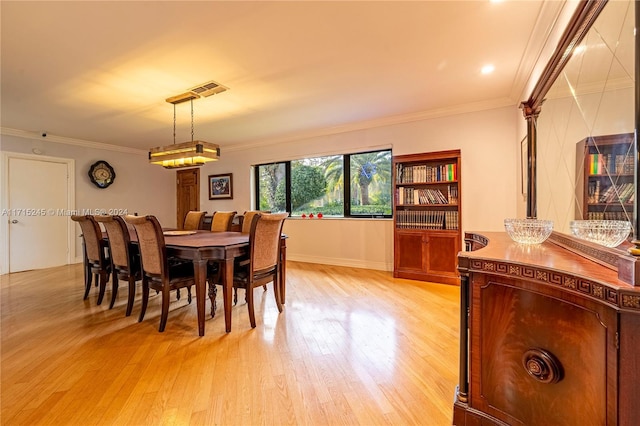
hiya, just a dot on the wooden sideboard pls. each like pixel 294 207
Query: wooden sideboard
pixel 547 337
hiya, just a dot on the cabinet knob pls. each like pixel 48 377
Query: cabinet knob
pixel 542 365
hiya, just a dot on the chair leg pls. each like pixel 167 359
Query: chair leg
pixel 145 299
pixel 276 292
pixel 252 314
pixel 213 292
pixel 165 309
pixel 189 294
pixel 178 294
pixel 103 286
pixel 215 278
pixel 235 295
pixel 132 294
pixel 114 290
pixel 87 284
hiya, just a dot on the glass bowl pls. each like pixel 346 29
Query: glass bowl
pixel 528 231
pixel 609 233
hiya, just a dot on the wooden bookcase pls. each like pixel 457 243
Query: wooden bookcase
pixel 605 167
pixel 427 216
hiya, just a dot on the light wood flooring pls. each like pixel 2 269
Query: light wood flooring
pixel 352 347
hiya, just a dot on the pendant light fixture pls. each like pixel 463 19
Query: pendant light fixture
pixel 187 154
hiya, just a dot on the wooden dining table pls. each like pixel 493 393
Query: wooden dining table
pixel 221 247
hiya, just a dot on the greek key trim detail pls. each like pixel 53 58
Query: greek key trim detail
pixel 568 282
pixel 630 301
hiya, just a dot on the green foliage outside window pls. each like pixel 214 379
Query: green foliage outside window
pixel 317 185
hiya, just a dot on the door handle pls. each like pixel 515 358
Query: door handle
pixel 14 221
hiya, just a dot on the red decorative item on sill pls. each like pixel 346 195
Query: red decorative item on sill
pixel 304 216
pixel 319 215
pixel 310 215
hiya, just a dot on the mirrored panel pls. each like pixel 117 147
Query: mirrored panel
pixel 585 160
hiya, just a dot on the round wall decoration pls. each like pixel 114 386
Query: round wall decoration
pixel 102 174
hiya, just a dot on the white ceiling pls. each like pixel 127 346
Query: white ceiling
pixel 101 71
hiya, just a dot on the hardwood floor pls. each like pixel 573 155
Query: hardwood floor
pixel 352 346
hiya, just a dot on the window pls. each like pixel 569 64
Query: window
pixel 370 181
pixel 352 185
pixel 271 184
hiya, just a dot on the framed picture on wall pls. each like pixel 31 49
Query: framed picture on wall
pixel 220 186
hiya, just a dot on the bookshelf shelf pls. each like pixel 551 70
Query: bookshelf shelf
pixel 614 175
pixel 400 184
pixel 605 166
pixel 427 218
pixel 427 205
pixel 608 204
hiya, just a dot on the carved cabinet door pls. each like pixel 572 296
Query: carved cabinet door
pixel 541 356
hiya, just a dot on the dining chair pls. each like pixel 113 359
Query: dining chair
pixel 125 258
pixel 247 217
pixel 97 263
pixel 213 268
pixel 157 273
pixel 264 262
pixel 222 221
pixel 193 220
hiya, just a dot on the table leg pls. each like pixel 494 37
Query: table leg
pixel 200 270
pixel 226 278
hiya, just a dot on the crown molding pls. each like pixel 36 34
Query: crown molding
pixel 257 143
pixel 7 131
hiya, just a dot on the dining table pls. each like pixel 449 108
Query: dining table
pixel 201 247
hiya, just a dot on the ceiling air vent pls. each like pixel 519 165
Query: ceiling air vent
pixel 208 89
pixel 202 91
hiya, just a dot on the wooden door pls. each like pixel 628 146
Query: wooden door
pixel 188 193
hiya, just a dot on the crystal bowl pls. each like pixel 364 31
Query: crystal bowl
pixel 528 231
pixel 609 233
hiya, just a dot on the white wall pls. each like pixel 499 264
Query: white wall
pixel 489 144
pixel 138 188
pixel 488 141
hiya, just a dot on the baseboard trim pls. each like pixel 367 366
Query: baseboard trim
pixel 363 264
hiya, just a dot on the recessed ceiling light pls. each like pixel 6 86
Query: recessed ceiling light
pixel 487 69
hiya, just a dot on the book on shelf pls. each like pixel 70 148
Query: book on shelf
pixel 623 192
pixel 425 174
pixel 626 191
pixel 608 216
pixel 593 192
pixel 600 164
pixel 629 165
pixel 426 219
pixel 596 164
pixel 424 196
pixel 453 194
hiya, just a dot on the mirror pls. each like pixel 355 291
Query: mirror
pixel 585 157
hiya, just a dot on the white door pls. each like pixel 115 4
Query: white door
pixel 38 226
